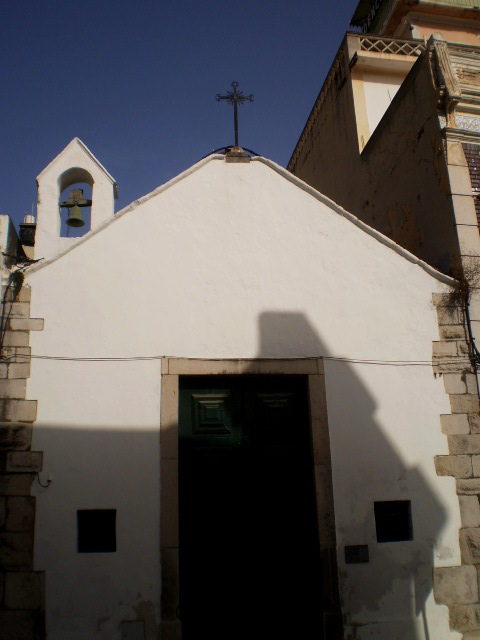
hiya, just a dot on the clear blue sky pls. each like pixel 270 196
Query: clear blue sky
pixel 137 80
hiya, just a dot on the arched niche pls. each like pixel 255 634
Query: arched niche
pixel 70 181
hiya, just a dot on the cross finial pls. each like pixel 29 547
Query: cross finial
pixel 235 97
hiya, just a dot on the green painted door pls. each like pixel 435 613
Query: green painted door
pixel 249 558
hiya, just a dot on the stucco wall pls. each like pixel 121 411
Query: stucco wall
pixel 399 183
pixel 461 33
pixel 236 261
pixel 380 89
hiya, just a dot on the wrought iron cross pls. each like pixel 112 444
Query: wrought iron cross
pixel 235 97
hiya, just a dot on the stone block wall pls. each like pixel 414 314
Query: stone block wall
pixel 21 588
pixel 458 587
pixel 472 155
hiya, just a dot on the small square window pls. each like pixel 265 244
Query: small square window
pixel 393 521
pixel 96 530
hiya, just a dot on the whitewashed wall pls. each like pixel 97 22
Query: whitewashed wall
pixel 233 261
pixel 77 159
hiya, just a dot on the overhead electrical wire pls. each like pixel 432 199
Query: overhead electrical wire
pixel 373 361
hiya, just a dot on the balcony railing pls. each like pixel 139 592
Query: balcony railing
pixel 392 45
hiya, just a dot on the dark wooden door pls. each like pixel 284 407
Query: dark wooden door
pixel 249 559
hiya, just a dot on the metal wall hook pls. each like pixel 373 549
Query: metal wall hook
pixel 49 480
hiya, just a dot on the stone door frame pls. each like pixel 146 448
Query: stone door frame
pixel 172 369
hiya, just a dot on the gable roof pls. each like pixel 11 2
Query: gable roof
pixel 284 174
pixel 77 142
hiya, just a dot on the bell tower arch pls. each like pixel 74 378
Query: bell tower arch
pixel 75 165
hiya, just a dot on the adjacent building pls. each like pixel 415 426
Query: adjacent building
pixel 394 133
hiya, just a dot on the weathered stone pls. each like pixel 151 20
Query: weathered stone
pixel 24 590
pixel 444 349
pixel 171 630
pixel 456 466
pixel 455 155
pixel 16 484
pixel 16 551
pixel 3 370
pixel 36 324
pixel 471 382
pixel 18 410
pixel 467 403
pixel 463 349
pixel 464 444
pixel 20 310
pixel 20 513
pixel 467 236
pixel 13 388
pixel 455 585
pixel 15 436
pixel 24 461
pixel 22 295
pixel 18 370
pixel 21 625
pixel 170 574
pixel 455 383
pixel 465 617
pixel 472 635
pixel 469 511
pixel 22 352
pixel 449 365
pixel 454 424
pixel 476 466
pixel 468 486
pixel 442 300
pixel 449 315
pixel 474 422
pixel 450 332
pixel 16 338
pixel 3 512
pixel 470 545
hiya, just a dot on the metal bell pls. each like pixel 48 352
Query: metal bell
pixel 75 217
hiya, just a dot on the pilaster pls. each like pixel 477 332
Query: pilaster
pixel 458 586
pixel 22 593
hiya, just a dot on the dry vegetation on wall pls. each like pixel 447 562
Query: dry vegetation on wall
pixel 466 272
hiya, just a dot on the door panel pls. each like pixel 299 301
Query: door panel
pixel 248 536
